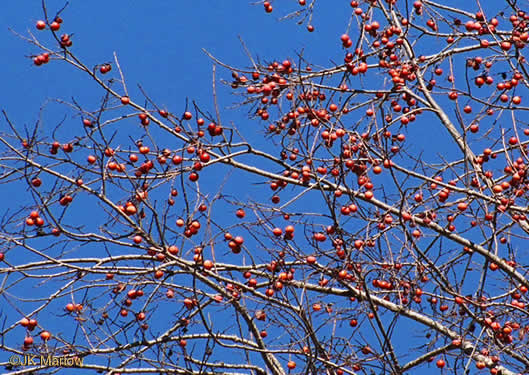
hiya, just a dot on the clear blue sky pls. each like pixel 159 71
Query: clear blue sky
pixel 159 45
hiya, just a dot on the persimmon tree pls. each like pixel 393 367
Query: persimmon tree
pixel 368 217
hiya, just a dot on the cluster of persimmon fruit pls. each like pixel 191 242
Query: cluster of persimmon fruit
pixel 64 39
pixel 197 155
pixel 30 325
pixel 400 72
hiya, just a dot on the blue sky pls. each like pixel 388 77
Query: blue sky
pixel 160 47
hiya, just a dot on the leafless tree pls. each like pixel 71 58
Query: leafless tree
pixel 368 218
